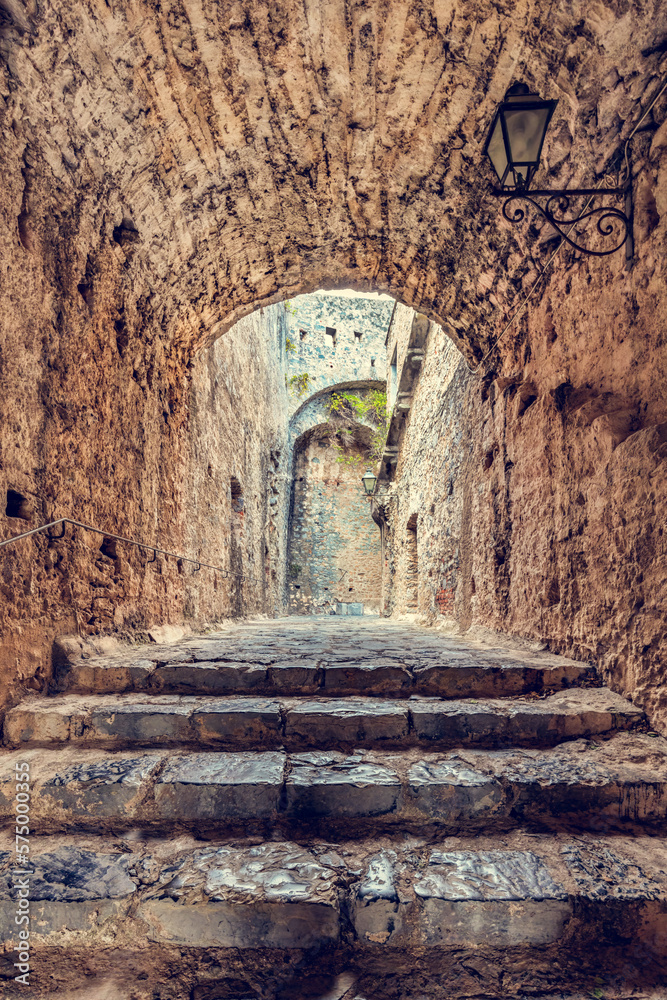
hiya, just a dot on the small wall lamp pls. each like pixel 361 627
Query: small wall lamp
pixel 369 481
pixel 514 147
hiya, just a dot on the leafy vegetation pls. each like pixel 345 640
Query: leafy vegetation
pixel 299 385
pixel 371 407
pixel 290 346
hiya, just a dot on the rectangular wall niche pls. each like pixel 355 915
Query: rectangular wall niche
pixel 18 506
pixel 330 332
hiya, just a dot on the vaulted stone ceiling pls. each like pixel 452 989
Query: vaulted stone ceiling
pixel 231 154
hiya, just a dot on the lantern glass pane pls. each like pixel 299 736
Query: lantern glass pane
pixel 496 150
pixel 525 130
pixel 369 481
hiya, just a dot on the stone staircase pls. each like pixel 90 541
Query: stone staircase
pixel 317 809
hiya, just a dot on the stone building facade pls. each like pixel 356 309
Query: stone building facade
pixel 336 339
pixel 168 171
pixel 339 343
pixel 420 561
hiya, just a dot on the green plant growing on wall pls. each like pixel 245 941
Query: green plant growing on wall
pixel 346 458
pixel 290 346
pixel 294 570
pixel 289 308
pixel 299 385
pixel 372 407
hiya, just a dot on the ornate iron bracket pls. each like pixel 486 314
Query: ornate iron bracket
pixel 612 223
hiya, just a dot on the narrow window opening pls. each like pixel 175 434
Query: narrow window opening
pixel 357 336
pixel 330 332
pixel 18 506
pixel 303 334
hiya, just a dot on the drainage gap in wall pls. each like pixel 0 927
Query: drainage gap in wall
pixel 85 287
pixel 122 336
pixel 18 506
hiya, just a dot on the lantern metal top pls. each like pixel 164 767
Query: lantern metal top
pixel 514 144
pixel 369 480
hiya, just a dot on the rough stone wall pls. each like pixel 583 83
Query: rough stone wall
pixel 334 545
pixel 345 357
pixel 239 430
pixel 540 481
pixel 397 346
pixel 92 430
pixel 332 538
pixel 420 499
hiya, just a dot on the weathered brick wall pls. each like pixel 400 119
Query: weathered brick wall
pixel 334 544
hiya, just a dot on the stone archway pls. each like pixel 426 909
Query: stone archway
pixel 217 158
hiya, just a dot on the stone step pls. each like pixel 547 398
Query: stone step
pixel 561 902
pixel 447 669
pixel 245 722
pixel 583 783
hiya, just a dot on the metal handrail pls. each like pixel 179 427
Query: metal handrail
pixel 130 541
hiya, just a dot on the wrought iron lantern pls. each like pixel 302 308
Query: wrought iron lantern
pixel 517 135
pixel 369 481
pixel 514 146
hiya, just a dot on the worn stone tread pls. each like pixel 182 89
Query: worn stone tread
pixel 583 783
pixel 285 663
pixel 117 720
pixel 492 892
